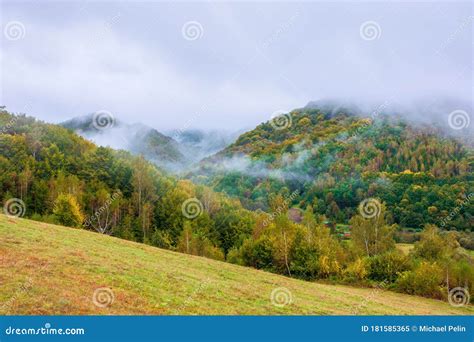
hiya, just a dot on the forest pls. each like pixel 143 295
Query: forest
pixel 336 160
pixel 364 174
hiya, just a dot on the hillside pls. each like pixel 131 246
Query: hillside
pixel 138 139
pixel 172 150
pixel 46 167
pixel 333 158
pixel 197 144
pixel 48 269
pixel 51 174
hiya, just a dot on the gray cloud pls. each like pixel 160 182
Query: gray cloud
pixel 251 60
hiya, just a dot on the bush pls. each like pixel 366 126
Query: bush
pixel 425 280
pixel 258 254
pixel 234 256
pixel 466 240
pixel 357 270
pixel 161 239
pixel 304 262
pixel 406 236
pixel 388 266
pixel 67 211
pixel 461 274
pixel 197 243
pixel 435 246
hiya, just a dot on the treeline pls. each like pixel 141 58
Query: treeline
pixel 308 250
pixel 336 161
pixel 62 178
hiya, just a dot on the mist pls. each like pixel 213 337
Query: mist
pixel 228 66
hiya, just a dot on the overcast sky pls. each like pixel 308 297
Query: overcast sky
pixel 227 65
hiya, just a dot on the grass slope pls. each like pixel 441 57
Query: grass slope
pixel 48 269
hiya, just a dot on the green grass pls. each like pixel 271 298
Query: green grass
pixel 48 269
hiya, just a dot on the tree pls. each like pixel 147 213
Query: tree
pixel 25 178
pixel 372 236
pixel 283 230
pixel 67 211
pixel 432 246
pixel 144 194
pixel 195 241
pixel 105 211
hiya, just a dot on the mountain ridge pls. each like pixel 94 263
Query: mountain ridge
pixel 348 157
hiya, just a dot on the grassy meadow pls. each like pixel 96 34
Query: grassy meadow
pixel 48 269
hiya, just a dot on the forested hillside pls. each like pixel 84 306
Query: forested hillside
pixel 61 177
pixel 51 174
pixel 333 160
pixel 139 139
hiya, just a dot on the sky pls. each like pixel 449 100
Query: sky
pixel 227 65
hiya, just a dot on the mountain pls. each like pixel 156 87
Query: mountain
pixel 138 139
pixel 333 156
pixel 174 151
pixel 196 144
pixel 127 278
pixel 51 174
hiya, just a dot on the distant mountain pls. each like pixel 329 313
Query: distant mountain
pixel 174 151
pixel 135 138
pixel 196 144
pixel 332 156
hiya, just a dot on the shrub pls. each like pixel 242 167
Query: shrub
pixel 461 274
pixel 304 261
pixel 161 239
pixel 357 270
pixel 466 240
pixel 388 266
pixel 67 211
pixel 258 254
pixel 234 256
pixel 425 280
pixel 433 245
